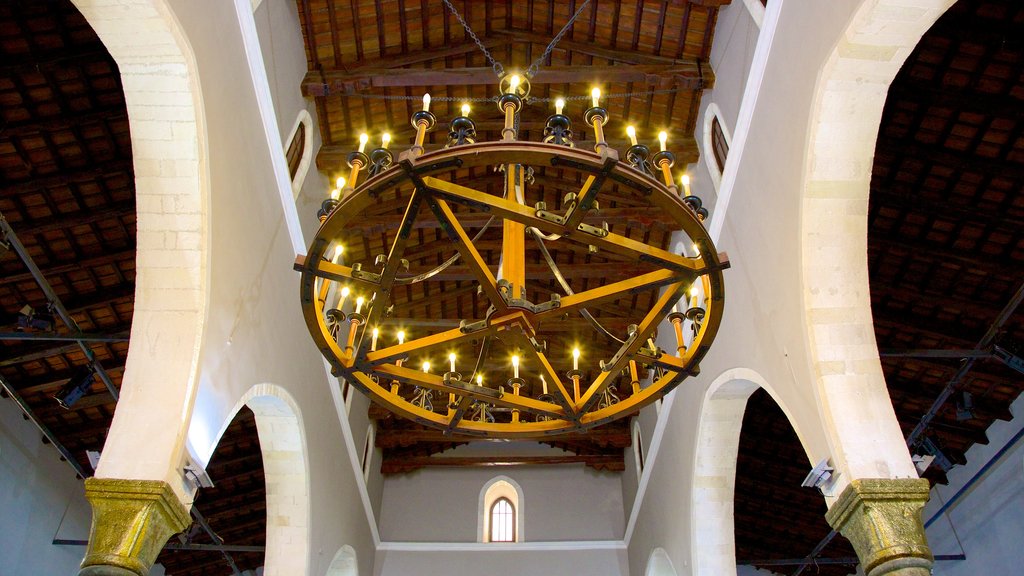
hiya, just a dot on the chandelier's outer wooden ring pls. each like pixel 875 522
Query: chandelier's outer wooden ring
pixel 565 416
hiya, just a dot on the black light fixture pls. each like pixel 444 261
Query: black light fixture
pixel 964 406
pixel 76 387
pixel 30 319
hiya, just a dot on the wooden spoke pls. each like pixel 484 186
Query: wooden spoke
pixel 644 329
pixel 527 216
pixel 468 252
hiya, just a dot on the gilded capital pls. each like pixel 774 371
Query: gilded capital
pixel 131 522
pixel 882 519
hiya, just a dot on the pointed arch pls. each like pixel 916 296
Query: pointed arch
pixel 344 563
pixel 845 116
pixel 712 542
pixel 161 86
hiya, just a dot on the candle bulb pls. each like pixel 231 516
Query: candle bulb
pixel 513 83
pixel 363 139
pixel 451 362
pixel 693 295
pixel 595 96
pixel 338 250
pixel 631 132
pixel 515 366
pixel 385 139
pixel 344 295
pixel 465 110
pixel 359 304
pixel 401 337
pixel 543 384
pixel 663 139
pixel 479 379
pixel 575 358
pixel 335 194
pixel 373 340
pixel 426 367
pixel 685 181
pixel 559 105
pixel 426 102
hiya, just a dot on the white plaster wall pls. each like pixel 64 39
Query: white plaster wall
pixel 41 499
pixel 255 329
pixel 597 562
pixel 762 329
pixel 988 520
pixel 284 57
pixel 565 502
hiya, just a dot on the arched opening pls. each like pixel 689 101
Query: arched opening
pixel 501 511
pixel 299 150
pixel 659 564
pixel 716 142
pixel 729 480
pixel 282 460
pixel 169 161
pixel 237 471
pixel 344 563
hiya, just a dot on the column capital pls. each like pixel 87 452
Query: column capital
pixel 131 522
pixel 881 517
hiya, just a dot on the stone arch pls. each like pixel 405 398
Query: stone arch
pixel 659 564
pixel 344 563
pixel 286 471
pixel 845 116
pixel 161 85
pixel 493 489
pixel 712 542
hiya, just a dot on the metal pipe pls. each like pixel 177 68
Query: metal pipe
pixel 174 546
pixel 54 301
pixel 65 455
pixel 64 337
pixel 977 476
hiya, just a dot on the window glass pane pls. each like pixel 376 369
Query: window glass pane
pixel 502 521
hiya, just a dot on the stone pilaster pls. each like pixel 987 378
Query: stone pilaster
pixel 882 519
pixel 131 522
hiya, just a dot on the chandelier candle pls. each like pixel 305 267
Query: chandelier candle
pixel 596 117
pixel 664 160
pixel 422 121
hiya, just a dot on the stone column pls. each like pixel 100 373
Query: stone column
pixel 131 522
pixel 882 519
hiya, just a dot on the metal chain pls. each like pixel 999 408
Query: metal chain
pixel 535 66
pixel 495 65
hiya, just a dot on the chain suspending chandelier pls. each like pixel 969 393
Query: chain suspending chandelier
pixel 532 374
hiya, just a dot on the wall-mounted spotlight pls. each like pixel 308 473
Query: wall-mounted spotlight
pixel 823 477
pixel 76 387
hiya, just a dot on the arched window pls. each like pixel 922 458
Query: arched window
pixel 716 143
pixel 503 521
pixel 638 449
pixel 299 151
pixel 501 511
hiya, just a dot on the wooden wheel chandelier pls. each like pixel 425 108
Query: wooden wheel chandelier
pixel 530 378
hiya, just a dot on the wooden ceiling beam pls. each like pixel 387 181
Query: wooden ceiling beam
pixel 421 56
pixel 88 173
pixel 939 155
pixel 83 264
pixel 590 49
pixel 690 75
pixel 70 219
pixel 400 438
pixel 410 463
